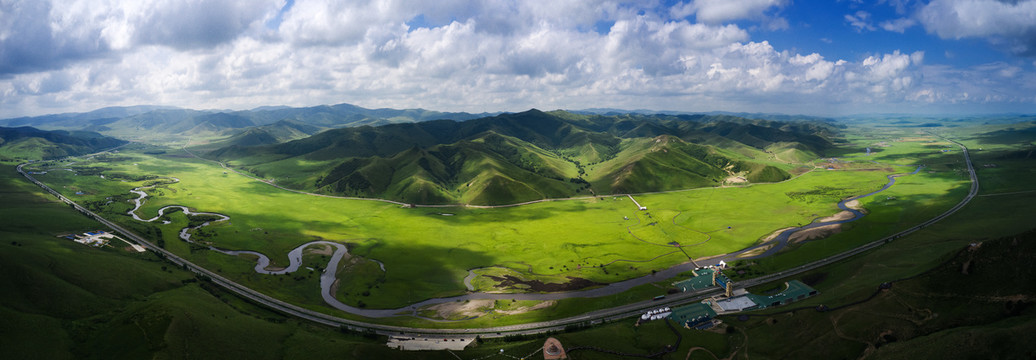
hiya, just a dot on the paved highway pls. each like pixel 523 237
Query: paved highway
pixel 593 317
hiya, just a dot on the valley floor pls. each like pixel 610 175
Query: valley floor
pixel 606 239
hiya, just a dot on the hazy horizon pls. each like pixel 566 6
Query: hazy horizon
pixel 600 109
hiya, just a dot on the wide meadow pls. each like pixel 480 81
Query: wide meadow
pixel 427 252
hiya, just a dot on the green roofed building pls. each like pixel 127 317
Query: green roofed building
pixel 795 291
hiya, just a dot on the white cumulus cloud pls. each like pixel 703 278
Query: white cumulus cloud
pixel 861 20
pixel 725 11
pixel 1011 24
pixel 448 55
pixel 898 25
pixel 718 11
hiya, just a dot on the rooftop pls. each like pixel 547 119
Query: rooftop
pixel 736 304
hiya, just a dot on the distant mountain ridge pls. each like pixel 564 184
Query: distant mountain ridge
pixel 278 132
pixel 73 119
pixel 748 115
pixel 533 155
pixel 157 122
pixel 166 124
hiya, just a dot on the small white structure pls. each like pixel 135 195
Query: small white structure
pixel 642 208
pixel 722 264
pixel 657 314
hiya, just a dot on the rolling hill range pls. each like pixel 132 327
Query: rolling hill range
pixel 28 143
pixel 155 123
pixel 531 155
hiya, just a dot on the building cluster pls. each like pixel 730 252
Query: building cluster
pixel 100 238
pixel 702 315
pixel 93 238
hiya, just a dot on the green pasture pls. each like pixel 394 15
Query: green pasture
pixel 64 300
pixel 1011 136
pixel 938 311
pixel 168 315
pixel 990 215
pixel 195 315
pixel 940 185
pixel 428 251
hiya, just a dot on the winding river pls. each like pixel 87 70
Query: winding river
pixel 781 240
pixel 329 276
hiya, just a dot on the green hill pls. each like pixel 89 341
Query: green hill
pixel 167 123
pixel 661 163
pixel 530 155
pixel 27 143
pixel 486 170
pixel 278 132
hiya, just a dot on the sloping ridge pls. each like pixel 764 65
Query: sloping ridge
pixel 486 170
pixel 524 156
pixel 33 144
pixel 279 132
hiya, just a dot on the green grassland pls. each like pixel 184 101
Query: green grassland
pixel 187 317
pixel 64 300
pixel 939 185
pixel 976 315
pixel 428 251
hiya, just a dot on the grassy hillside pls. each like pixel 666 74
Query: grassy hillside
pixel 973 303
pixel 982 312
pixel 176 125
pixel 27 143
pixel 532 155
pixel 668 163
pixel 492 167
pixel 278 132
pixel 63 300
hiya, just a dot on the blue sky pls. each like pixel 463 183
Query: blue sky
pixel 783 56
pixel 819 28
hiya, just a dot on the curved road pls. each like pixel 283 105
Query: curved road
pixel 592 317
